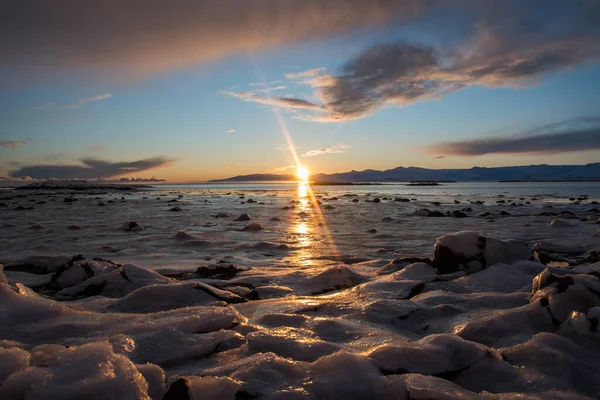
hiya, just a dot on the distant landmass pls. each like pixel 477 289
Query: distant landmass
pixel 588 172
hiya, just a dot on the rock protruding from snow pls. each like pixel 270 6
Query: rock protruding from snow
pixel 562 294
pixel 131 226
pixel 253 227
pixel 471 251
pixel 243 217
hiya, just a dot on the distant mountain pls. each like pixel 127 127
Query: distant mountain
pixel 258 178
pixel 401 174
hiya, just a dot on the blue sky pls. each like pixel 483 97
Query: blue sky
pixel 190 119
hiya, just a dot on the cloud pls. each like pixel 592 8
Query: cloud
pixel 581 134
pixel 270 89
pixel 281 170
pixel 139 37
pixel 283 102
pixel 44 106
pixel 95 98
pixel 311 73
pixel 75 105
pixel 340 148
pixel 287 147
pixel 12 144
pixel 512 46
pixel 90 169
pixel 230 131
pixel 438 157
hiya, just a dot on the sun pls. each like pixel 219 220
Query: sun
pixel 302 174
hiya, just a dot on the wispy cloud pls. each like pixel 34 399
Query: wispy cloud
pixel 270 89
pixel 311 73
pixel 75 105
pixel 282 102
pixel 281 170
pixel 581 134
pixel 287 147
pixel 340 148
pixel 12 144
pixel 91 168
pixel 230 131
pixel 43 106
pixel 438 157
pixel 95 98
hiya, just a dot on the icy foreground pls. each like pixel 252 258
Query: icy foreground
pixel 485 318
pixel 265 292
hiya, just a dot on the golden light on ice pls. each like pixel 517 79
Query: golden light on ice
pixel 302 173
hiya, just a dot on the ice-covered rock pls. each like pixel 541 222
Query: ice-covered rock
pixel 91 371
pixel 116 283
pixel 472 251
pixel 432 355
pixel 500 328
pixel 13 359
pixel 28 279
pixel 389 289
pixel 155 376
pixel 40 264
pixel 563 294
pixel 273 291
pixel 168 347
pixel 163 297
pixel 203 388
pixel 295 343
pixel 558 361
pixel 333 279
pixel 418 271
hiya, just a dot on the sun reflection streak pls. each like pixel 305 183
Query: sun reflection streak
pixel 306 195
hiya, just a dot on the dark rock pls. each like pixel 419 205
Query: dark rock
pixel 458 214
pixel 243 217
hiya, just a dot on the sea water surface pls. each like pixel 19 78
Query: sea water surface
pixel 303 225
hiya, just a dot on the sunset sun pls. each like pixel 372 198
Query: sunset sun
pixel 302 173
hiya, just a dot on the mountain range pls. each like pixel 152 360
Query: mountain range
pixel 406 174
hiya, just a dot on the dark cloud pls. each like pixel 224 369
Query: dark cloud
pixel 11 144
pixel 574 135
pixel 146 36
pixel 510 46
pixel 438 157
pixel 90 169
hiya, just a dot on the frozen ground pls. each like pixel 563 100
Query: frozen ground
pixel 343 299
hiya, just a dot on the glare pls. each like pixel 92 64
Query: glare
pixel 302 173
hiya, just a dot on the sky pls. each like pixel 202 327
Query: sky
pixel 193 90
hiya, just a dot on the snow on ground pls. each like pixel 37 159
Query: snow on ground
pixel 335 302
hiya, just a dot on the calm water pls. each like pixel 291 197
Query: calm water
pixel 471 189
